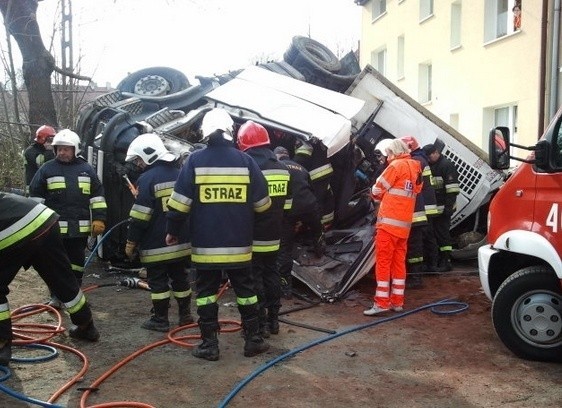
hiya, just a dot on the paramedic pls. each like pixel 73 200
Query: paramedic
pixel 39 152
pixel 446 184
pixel 29 236
pixel 220 188
pixel 71 187
pixel 165 265
pixel 396 189
pixel 254 140
pixel 304 213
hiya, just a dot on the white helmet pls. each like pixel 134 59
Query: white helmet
pixel 217 119
pixel 150 148
pixel 67 137
pixel 382 146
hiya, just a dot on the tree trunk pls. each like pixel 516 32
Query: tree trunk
pixel 38 64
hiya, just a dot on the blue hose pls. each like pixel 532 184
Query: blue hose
pixel 104 236
pixel 445 302
pixel 53 353
pixel 17 395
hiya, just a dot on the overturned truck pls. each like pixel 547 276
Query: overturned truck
pixel 312 97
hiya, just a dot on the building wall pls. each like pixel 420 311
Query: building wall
pixel 470 81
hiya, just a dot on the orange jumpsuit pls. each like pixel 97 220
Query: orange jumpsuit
pixel 396 188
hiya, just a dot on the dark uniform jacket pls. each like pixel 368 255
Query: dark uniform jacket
pixel 268 224
pixel 446 184
pixel 74 191
pixel 304 200
pixel 22 220
pixel 221 188
pixel 148 219
pixel 34 157
pixel 425 202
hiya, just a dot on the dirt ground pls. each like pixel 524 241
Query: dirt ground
pixel 340 358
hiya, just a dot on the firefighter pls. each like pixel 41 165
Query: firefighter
pixel 71 187
pixel 304 213
pixel 424 209
pixel 254 140
pixel 313 156
pixel 29 236
pixel 39 152
pixel 396 189
pixel 221 188
pixel 446 184
pixel 165 265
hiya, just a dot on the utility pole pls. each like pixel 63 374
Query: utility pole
pixel 67 97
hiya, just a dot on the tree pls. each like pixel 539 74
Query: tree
pixel 20 19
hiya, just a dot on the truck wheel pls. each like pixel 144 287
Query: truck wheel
pixel 527 314
pixel 154 81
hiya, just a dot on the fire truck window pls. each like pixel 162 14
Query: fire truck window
pixel 558 151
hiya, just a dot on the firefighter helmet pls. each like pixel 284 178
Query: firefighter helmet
pixel 43 133
pixel 252 134
pixel 382 145
pixel 67 137
pixel 217 119
pixel 411 142
pixel 149 148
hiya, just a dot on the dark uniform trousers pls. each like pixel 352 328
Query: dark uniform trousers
pixel 268 280
pixel 47 255
pixel 75 248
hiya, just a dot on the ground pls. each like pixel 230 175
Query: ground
pixel 339 358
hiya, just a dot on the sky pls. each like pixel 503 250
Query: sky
pixel 198 37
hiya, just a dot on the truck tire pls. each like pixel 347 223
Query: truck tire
pixel 154 81
pixel 527 314
pixel 311 53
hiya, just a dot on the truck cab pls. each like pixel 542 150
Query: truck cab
pixel 521 268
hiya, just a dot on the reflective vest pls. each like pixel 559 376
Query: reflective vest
pixel 426 205
pixel 446 184
pixel 221 188
pixel 398 184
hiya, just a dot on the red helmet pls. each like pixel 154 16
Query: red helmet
pixel 43 133
pixel 252 134
pixel 411 142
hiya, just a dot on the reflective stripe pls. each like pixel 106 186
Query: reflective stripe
pixel 180 202
pixel 415 260
pixel 321 171
pixel 84 226
pixel 262 205
pixel 446 248
pixel 247 301
pixel 277 182
pixel 221 255
pixel 25 226
pixel 97 203
pixel 63 225
pixel 204 301
pixel 140 212
pixel 384 183
pixel 165 254
pixel 222 175
pixel 382 294
pixel 4 311
pixel 160 296
pixel 399 282
pixel 419 216
pixel 452 188
pixel 401 192
pixel 76 304
pixel 265 246
pixel 182 295
pixel 84 184
pixel 77 268
pixel 397 291
pixel 383 284
pixel 395 222
pixel 164 189
pixel 56 183
pixel 431 209
pixel 327 218
pixel 288 204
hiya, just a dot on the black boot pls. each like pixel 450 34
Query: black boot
pixel 184 311
pixel 413 276
pixel 287 286
pixel 159 319
pixel 444 264
pixel 254 343
pixel 273 320
pixel 264 326
pixel 5 352
pixel 85 332
pixel 209 348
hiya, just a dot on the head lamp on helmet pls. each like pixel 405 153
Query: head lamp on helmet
pixel 252 134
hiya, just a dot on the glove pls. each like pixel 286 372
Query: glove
pixel 98 227
pixel 130 249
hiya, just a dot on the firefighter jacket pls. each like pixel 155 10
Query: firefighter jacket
pixel 268 224
pixel 221 188
pixel 304 201
pixel 397 188
pixel 426 206
pixel 74 191
pixel 148 216
pixel 22 220
pixel 34 157
pixel 314 158
pixel 446 184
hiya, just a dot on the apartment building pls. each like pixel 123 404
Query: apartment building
pixel 470 62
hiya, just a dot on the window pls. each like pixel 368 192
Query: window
pixel 501 18
pixel 379 8
pixel 426 9
pixel 400 58
pixel 456 9
pixel 378 60
pixel 424 85
pixel 454 120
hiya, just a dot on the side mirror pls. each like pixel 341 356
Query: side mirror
pixel 542 154
pixel 498 148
